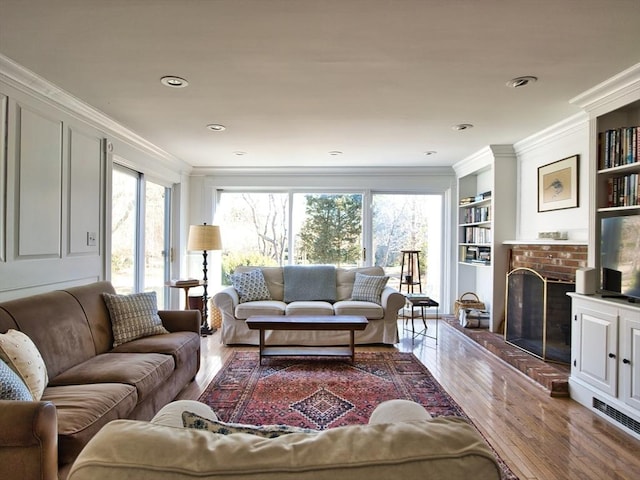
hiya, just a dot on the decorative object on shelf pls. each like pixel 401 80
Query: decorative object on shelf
pixel 204 237
pixel 553 235
pixel 468 300
pixel 558 184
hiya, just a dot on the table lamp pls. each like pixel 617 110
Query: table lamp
pixel 204 237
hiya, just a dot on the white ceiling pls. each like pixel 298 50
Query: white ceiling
pixel 381 80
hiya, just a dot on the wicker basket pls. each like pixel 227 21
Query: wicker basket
pixel 472 301
pixel 215 316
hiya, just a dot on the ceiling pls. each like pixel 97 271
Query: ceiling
pixel 381 81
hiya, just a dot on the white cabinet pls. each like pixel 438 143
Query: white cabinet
pixel 595 345
pixel 486 218
pixel 605 365
pixel 630 353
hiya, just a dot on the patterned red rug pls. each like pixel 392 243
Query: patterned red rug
pixel 323 393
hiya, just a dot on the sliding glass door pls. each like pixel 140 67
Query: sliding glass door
pixel 408 222
pixel 139 234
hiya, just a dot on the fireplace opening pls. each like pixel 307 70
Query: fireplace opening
pixel 538 315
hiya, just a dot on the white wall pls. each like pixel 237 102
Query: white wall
pixel 559 141
pixel 55 176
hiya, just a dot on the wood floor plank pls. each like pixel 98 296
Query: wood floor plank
pixel 538 436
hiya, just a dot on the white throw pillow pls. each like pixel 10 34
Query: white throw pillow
pixel 251 286
pixel 368 288
pixel 19 352
pixel 133 316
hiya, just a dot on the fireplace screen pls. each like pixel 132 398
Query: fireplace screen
pixel 538 315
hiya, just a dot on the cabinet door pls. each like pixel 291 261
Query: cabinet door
pixel 595 338
pixel 630 352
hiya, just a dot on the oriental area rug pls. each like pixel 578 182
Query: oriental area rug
pixel 323 393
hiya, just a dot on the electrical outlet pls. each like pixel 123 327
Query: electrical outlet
pixel 91 239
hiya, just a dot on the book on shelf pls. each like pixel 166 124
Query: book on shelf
pixel 618 147
pixel 623 191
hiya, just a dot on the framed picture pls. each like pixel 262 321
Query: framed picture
pixel 558 184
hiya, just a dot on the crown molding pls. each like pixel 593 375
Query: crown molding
pixel 611 93
pixel 324 171
pixel 32 84
pixel 483 159
pixel 568 126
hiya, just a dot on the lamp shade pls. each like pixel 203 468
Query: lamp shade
pixel 204 237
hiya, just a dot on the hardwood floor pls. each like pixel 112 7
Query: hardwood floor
pixel 539 437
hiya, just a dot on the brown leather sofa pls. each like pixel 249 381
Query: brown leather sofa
pixel 90 382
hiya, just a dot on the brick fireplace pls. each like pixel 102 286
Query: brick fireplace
pixel 538 309
pixel 553 260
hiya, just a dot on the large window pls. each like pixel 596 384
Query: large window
pixel 279 228
pixel 327 229
pixel 139 234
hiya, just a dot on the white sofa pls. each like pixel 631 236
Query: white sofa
pixel 401 441
pixel 382 317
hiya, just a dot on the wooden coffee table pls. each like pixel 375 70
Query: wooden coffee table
pixel 349 323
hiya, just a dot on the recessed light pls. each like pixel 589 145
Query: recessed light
pixel 173 81
pixel 521 81
pixel 335 152
pixel 462 126
pixel 430 152
pixel 239 153
pixel 216 127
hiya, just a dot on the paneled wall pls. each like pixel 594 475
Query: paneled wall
pixel 54 196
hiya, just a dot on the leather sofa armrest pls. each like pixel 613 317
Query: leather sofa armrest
pixel 181 320
pixel 28 440
pixel 392 299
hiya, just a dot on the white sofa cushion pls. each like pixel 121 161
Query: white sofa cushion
pixel 372 311
pixel 309 308
pixel 261 307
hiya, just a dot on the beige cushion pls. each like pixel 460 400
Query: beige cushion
pixel 261 307
pixel 20 353
pixel 370 310
pixel 133 316
pixel 171 414
pixel 398 410
pixel 309 308
pixel 345 278
pixel 442 449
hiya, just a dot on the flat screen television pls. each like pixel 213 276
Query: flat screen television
pixel 620 256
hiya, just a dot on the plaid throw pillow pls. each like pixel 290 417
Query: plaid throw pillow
pixel 192 420
pixel 250 286
pixel 11 385
pixel 368 288
pixel 133 316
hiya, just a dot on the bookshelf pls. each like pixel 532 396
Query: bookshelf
pixel 605 331
pixel 486 218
